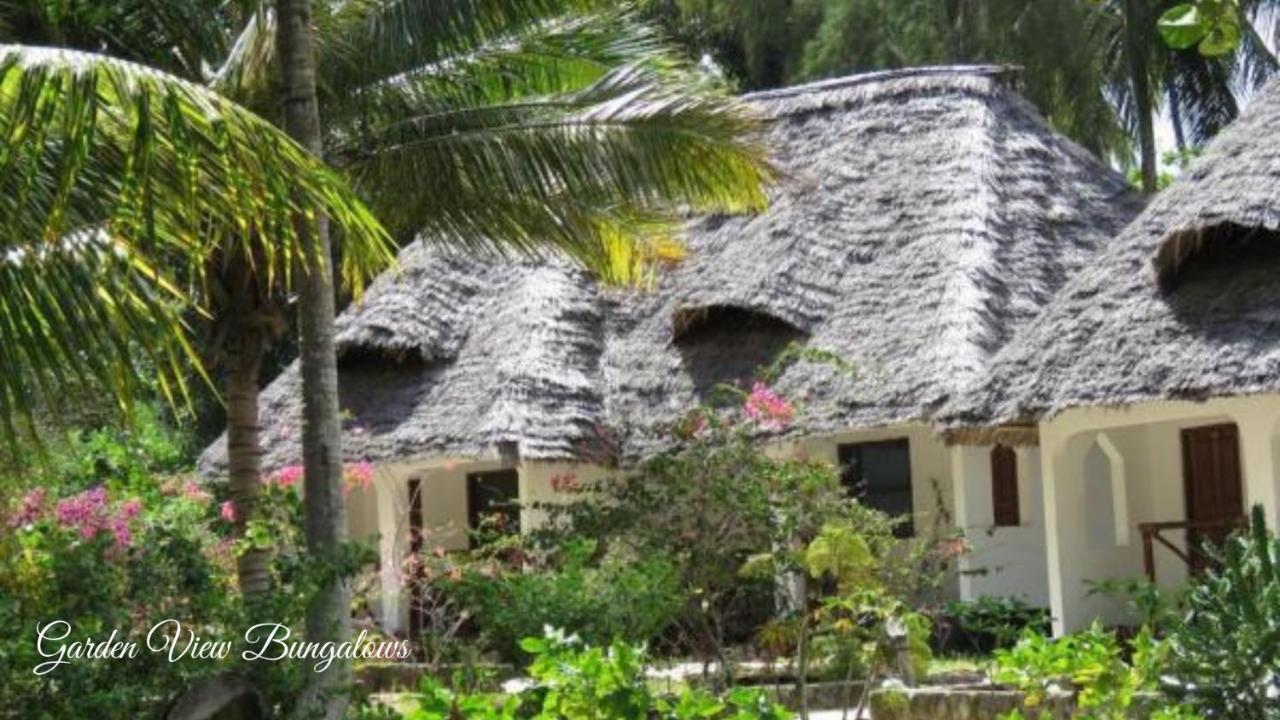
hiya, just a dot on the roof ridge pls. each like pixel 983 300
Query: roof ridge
pixel 973 298
pixel 999 72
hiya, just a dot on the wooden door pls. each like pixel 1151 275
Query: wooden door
pixel 1211 477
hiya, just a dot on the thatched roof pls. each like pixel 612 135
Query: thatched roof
pixel 923 217
pixel 1185 304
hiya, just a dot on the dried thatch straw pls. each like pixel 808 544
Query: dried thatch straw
pixel 924 216
pixel 1184 304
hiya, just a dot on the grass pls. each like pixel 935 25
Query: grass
pixel 958 664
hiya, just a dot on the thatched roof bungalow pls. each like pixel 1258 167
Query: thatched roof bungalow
pixel 924 217
pixel 1152 378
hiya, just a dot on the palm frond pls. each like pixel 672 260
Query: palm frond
pixel 1205 92
pixel 556 57
pixel 178 36
pixel 364 41
pixel 246 72
pixel 566 170
pixel 1255 61
pixel 113 174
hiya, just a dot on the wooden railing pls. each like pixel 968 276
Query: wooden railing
pixel 1151 534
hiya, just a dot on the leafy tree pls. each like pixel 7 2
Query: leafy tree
pixel 1097 69
pixel 1060 52
pixel 178 36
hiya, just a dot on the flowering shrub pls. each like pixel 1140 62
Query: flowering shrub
pixel 354 475
pixel 734 519
pixel 767 408
pixel 107 534
pixel 102 560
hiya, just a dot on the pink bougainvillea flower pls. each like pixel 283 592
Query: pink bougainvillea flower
pixel 358 474
pixel 130 509
pixel 568 482
pixel 289 475
pixel 120 530
pixel 228 511
pixel 767 408
pixel 85 511
pixel 31 510
pixel 192 491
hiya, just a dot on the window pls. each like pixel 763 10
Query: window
pixel 879 475
pixel 492 501
pixel 1004 486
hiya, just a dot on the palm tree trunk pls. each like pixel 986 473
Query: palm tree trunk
pixel 1175 117
pixel 1138 33
pixel 244 454
pixel 328 618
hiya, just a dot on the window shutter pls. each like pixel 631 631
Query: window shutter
pixel 1004 486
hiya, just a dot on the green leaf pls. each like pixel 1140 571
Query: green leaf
pixel 1223 38
pixel 1182 26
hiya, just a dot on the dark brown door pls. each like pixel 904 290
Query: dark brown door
pixel 1214 493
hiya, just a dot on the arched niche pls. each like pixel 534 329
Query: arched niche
pixel 1106 496
pixel 728 343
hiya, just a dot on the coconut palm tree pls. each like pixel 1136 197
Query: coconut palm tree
pixel 328 614
pixel 503 125
pixel 1201 89
pixel 240 288
pixel 177 36
pixel 113 178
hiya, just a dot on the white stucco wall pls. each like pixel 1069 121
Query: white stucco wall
pixel 1146 438
pixel 1002 561
pixel 536 485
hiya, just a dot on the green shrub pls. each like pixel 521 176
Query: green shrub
pixel 989 623
pixel 577 681
pixel 614 597
pixel 709 506
pixel 1225 654
pixel 1156 608
pixel 1093 666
